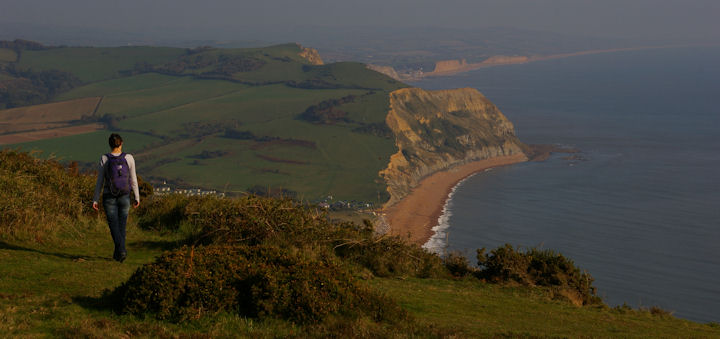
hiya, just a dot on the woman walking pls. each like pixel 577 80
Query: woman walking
pixel 116 180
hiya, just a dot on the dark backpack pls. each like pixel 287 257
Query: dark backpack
pixel 117 172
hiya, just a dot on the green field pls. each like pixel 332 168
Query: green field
pixel 119 86
pixel 92 64
pixel 84 147
pixel 193 96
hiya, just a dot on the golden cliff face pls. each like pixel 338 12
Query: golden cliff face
pixel 436 130
pixel 449 65
pixel 311 55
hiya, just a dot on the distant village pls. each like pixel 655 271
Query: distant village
pixel 165 189
pixel 327 202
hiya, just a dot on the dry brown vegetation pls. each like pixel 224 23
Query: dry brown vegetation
pixel 49 133
pixel 45 116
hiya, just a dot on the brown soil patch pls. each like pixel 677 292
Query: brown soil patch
pixel 46 116
pixel 416 214
pixel 16 138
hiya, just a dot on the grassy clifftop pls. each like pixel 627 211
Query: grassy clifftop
pixel 259 267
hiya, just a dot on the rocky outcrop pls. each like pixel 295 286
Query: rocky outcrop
pixel 387 70
pixel 311 55
pixel 437 130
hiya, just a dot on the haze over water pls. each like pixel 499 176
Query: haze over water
pixel 642 212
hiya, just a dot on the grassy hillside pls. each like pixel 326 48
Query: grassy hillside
pixel 92 64
pixel 59 280
pixel 236 113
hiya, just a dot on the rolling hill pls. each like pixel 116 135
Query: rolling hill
pixel 227 119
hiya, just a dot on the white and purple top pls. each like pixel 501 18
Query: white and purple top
pixel 101 184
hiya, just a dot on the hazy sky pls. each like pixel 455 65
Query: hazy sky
pixel 611 18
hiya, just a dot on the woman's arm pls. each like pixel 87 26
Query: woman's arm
pixel 100 181
pixel 133 178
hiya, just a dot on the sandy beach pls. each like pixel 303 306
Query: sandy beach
pixel 416 214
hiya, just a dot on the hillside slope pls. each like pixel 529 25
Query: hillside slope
pixel 260 118
pixel 56 274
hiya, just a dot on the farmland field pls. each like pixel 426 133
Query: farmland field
pixel 85 147
pixel 46 115
pixel 236 128
pixel 92 64
pixel 50 133
pixel 119 86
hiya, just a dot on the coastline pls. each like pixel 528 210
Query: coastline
pixel 533 58
pixel 416 214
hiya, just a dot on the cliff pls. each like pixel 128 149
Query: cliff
pixel 447 67
pixel 437 130
pixel 387 70
pixel 311 55
pixel 450 65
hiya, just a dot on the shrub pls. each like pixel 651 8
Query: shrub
pixel 162 213
pixel 388 256
pixel 253 220
pixel 538 268
pixel 458 265
pixel 254 281
pixel 38 196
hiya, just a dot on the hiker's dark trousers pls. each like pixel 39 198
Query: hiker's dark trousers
pixel 116 210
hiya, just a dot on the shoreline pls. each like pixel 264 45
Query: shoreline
pixel 533 58
pixel 416 214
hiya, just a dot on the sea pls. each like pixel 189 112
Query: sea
pixel 639 206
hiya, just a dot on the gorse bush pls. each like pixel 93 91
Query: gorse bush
pixel 254 281
pixel 458 265
pixel 387 256
pixel 538 268
pixel 252 220
pixel 38 196
pixel 265 257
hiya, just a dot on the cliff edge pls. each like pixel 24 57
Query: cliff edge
pixel 437 130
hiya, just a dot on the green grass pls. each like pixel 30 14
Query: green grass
pixel 7 55
pixel 175 94
pixel 250 106
pixel 119 86
pixel 53 289
pixel 84 147
pixel 92 64
pixel 486 310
